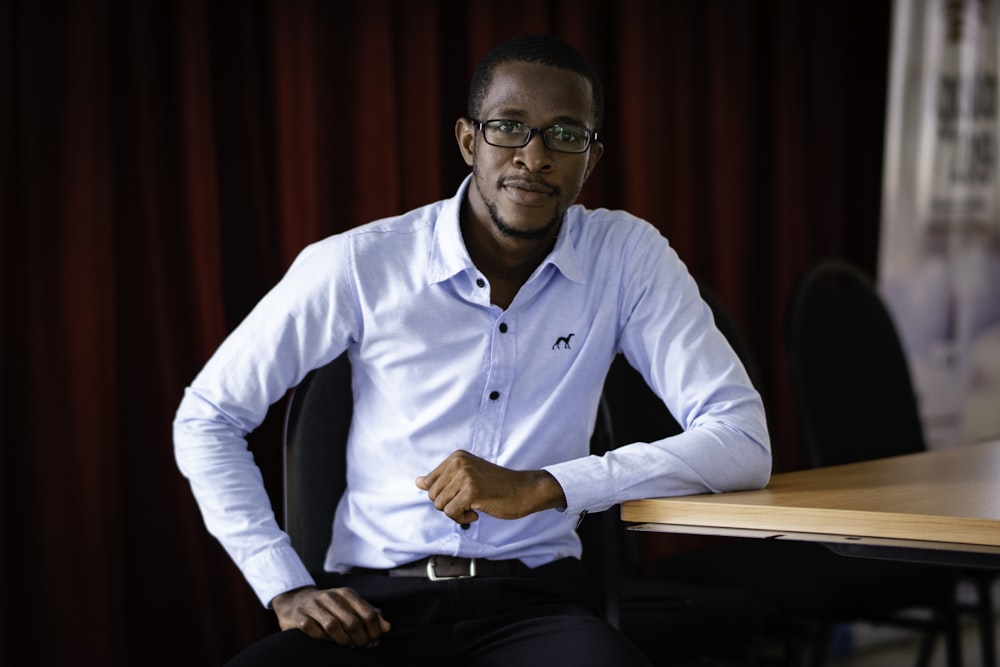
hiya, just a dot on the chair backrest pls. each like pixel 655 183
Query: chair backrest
pixel 599 533
pixel 849 373
pixel 317 421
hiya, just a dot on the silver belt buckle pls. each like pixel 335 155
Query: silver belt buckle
pixel 433 575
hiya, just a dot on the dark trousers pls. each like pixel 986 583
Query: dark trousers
pixel 542 617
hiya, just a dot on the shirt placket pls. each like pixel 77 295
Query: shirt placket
pixel 496 396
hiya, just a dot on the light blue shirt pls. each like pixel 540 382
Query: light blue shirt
pixel 437 367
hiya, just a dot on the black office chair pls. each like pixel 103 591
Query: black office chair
pixel 849 374
pixel 317 419
pixel 675 623
pixel 805 590
pixel 853 388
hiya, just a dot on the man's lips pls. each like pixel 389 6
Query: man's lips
pixel 530 186
pixel 528 191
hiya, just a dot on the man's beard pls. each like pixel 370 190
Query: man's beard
pixel 522 234
pixel 509 231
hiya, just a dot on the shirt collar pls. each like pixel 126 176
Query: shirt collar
pixel 564 255
pixel 449 256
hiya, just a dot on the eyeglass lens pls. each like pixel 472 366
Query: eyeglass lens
pixel 512 134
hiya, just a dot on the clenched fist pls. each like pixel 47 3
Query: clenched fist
pixel 464 485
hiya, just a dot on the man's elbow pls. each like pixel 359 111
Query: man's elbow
pixel 752 469
pixel 758 468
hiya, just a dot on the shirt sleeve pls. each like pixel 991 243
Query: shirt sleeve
pixel 302 323
pixel 668 333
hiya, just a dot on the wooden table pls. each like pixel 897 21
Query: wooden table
pixel 940 506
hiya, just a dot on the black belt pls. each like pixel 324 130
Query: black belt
pixel 449 567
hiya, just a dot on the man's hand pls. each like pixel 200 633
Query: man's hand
pixel 336 614
pixel 464 485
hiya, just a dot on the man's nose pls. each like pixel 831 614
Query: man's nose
pixel 535 155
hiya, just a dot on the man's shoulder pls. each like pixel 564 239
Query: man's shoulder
pixel 602 226
pixel 390 235
pixel 415 221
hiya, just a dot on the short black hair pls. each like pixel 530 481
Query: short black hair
pixel 540 49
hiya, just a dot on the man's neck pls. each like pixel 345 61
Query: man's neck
pixel 506 261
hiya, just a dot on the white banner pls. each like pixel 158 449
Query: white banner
pixel 939 262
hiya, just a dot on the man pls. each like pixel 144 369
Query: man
pixel 479 330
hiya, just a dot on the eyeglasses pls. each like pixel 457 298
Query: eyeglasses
pixel 559 138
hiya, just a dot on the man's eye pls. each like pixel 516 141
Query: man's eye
pixel 508 127
pixel 567 135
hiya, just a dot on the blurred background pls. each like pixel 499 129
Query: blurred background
pixel 163 162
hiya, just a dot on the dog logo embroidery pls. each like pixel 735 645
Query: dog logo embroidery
pixel 562 342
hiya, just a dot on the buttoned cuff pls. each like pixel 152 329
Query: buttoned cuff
pixel 585 483
pixel 276 571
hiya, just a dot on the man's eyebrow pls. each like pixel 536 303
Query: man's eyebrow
pixel 513 113
pixel 569 120
pixel 508 112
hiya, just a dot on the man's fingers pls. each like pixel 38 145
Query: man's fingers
pixel 349 619
pixel 440 488
pixel 426 482
pixel 453 485
pixel 309 626
pixel 337 614
pixel 463 517
pixel 453 497
pixel 365 624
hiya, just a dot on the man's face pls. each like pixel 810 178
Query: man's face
pixel 525 191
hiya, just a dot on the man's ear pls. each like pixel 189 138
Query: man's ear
pixel 593 157
pixel 465 134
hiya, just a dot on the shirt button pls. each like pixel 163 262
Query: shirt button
pixel 480 282
pixel 503 327
pixel 494 395
pixel 464 526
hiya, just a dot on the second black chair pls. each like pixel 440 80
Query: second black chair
pixel 854 390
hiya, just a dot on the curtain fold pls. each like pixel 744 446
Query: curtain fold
pixel 163 163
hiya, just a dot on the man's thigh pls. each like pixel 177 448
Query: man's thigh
pixel 292 648
pixel 543 618
pixel 546 618
pixel 549 640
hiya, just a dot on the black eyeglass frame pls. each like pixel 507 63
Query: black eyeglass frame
pixel 480 125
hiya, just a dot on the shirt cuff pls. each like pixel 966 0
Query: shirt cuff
pixel 276 571
pixel 584 483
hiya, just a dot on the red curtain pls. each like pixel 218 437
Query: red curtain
pixel 164 162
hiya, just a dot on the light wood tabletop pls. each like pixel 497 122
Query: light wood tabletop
pixel 940 505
